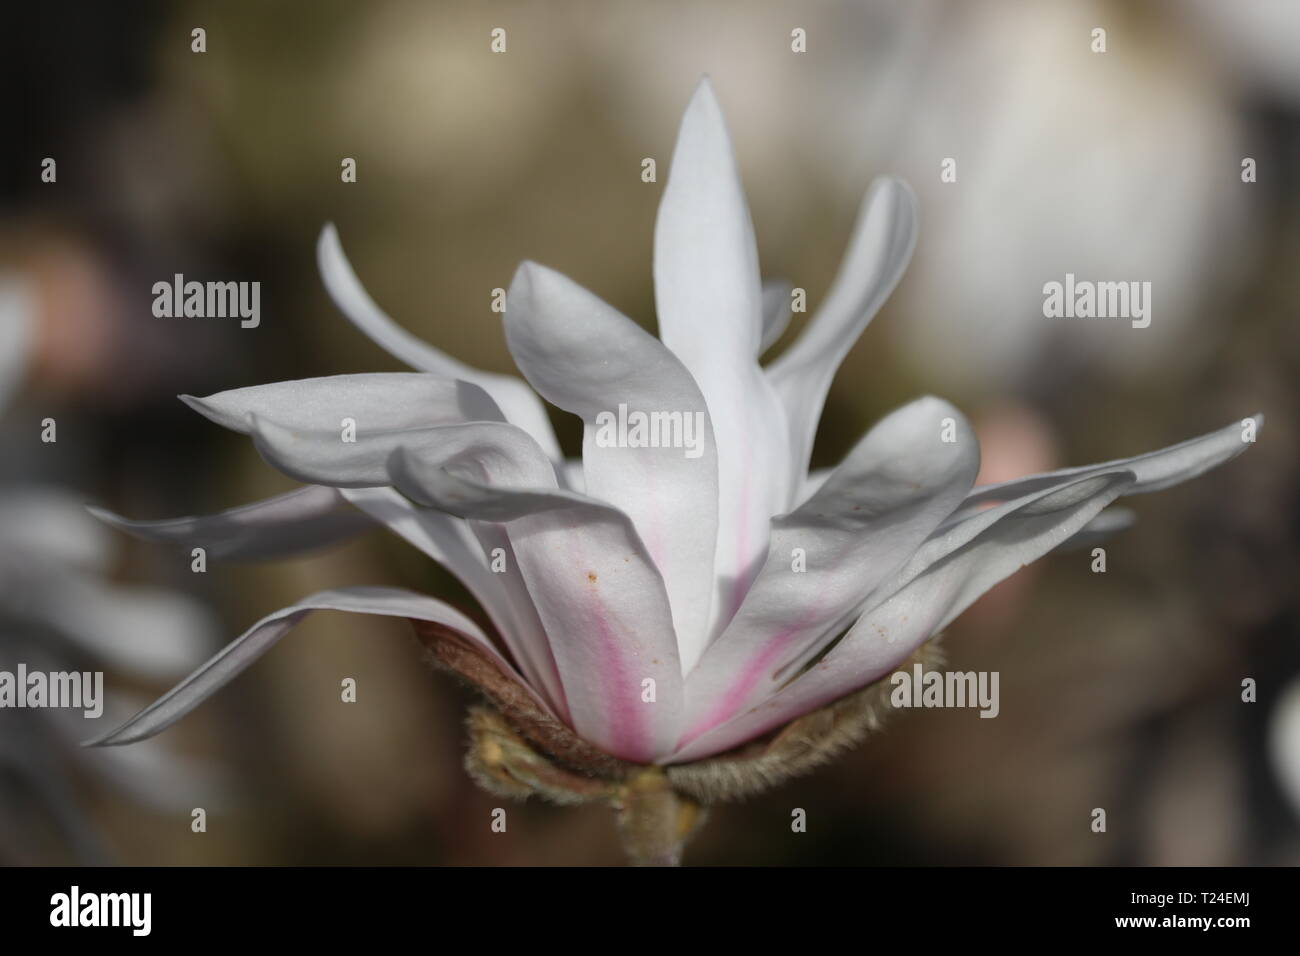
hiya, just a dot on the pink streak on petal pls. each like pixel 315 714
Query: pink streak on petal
pixel 625 715
pixel 731 700
pixel 781 711
pixel 758 666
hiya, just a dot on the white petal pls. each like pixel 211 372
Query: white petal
pixel 1101 528
pixel 1155 470
pixel 936 587
pixel 301 520
pixel 706 260
pixel 374 401
pixel 572 474
pixel 813 482
pixel 586 358
pixel 878 253
pixel 520 405
pixel 876 508
pixel 708 296
pixel 1152 472
pixel 599 596
pixel 776 312
pixel 463 548
pixel 542 669
pixel 339 432
pixel 262 636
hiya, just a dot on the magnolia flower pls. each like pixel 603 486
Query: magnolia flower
pixel 652 612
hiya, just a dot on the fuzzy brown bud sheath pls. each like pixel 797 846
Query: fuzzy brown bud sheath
pixel 517 750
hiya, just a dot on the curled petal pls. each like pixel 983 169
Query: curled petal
pixel 385 401
pixel 516 400
pixel 878 253
pixel 1155 470
pixel 238 655
pixel 301 520
pixel 310 445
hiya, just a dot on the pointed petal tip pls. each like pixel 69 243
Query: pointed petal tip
pixel 533 281
pixel 703 98
pixel 199 405
pixel 525 274
pixel 522 291
pixel 113 738
pixel 215 411
pixel 1257 418
pixel 225 412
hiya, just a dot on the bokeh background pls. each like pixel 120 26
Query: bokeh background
pixel 1120 691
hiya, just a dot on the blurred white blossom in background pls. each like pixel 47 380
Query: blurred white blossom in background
pixel 59 611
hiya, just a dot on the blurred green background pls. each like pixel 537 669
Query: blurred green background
pixel 1119 691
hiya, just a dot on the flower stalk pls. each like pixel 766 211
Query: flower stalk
pixel 654 820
